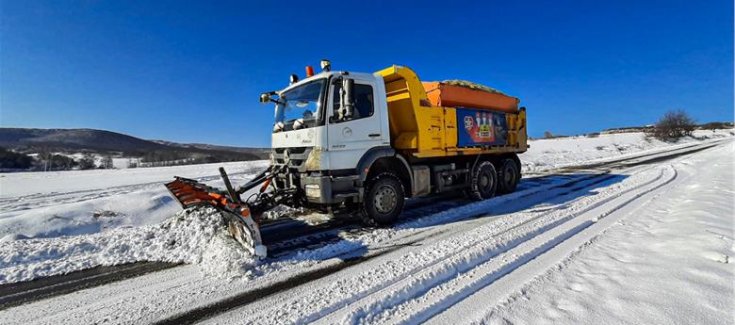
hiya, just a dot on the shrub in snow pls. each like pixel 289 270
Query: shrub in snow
pixel 673 126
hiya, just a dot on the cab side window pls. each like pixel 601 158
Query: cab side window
pixel 363 95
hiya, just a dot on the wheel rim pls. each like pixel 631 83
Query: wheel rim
pixel 385 199
pixel 485 182
pixel 508 175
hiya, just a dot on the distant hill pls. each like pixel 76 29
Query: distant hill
pixel 107 142
pixel 74 139
pixel 205 146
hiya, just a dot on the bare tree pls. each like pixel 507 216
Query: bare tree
pixel 548 135
pixel 673 125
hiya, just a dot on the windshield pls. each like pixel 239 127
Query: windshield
pixel 299 107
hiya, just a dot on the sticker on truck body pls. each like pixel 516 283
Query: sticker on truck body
pixel 481 127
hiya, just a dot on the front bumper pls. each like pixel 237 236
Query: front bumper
pixel 314 187
pixel 319 189
pixel 329 189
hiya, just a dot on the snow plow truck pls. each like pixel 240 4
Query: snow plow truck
pixel 361 143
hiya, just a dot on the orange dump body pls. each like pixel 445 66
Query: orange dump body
pixel 441 94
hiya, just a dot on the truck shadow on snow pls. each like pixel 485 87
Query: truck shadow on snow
pixel 341 238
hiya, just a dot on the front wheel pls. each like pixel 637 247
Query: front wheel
pixel 383 201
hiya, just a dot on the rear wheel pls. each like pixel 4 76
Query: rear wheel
pixel 508 175
pixel 383 201
pixel 484 181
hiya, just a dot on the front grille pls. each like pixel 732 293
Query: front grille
pixel 295 157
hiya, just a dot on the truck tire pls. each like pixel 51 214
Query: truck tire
pixel 484 181
pixel 383 201
pixel 508 175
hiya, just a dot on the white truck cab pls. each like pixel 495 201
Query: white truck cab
pixel 311 119
pixel 321 145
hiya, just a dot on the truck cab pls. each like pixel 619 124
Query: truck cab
pixel 321 146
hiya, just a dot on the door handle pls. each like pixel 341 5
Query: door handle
pixel 374 135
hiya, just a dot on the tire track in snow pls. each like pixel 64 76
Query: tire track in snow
pixel 195 315
pixel 25 292
pixel 15 294
pixel 381 281
pixel 458 258
pixel 638 163
pixel 486 276
pixel 243 299
pixel 485 270
pixel 558 254
pixel 322 236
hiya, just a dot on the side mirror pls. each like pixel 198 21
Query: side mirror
pixel 265 98
pixel 346 99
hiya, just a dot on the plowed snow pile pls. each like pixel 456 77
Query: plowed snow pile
pixel 195 236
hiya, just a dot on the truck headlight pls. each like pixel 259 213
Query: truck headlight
pixel 312 190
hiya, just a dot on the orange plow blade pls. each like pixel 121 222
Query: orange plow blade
pixel 240 223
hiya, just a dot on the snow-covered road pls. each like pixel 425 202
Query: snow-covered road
pixel 643 240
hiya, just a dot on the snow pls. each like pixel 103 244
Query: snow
pixel 193 237
pixel 644 244
pixel 52 204
pixel 547 154
pixel 670 263
pixel 45 183
pixel 45 205
pixel 379 292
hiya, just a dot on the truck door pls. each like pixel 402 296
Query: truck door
pixel 350 139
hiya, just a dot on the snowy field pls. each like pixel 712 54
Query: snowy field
pixel 52 204
pixel 645 243
pixel 547 154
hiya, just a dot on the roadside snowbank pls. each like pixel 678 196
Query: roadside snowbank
pixel 192 236
pixel 134 209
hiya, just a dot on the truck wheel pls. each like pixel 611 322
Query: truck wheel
pixel 383 201
pixel 508 176
pixel 484 181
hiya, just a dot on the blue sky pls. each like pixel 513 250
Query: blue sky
pixel 191 71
